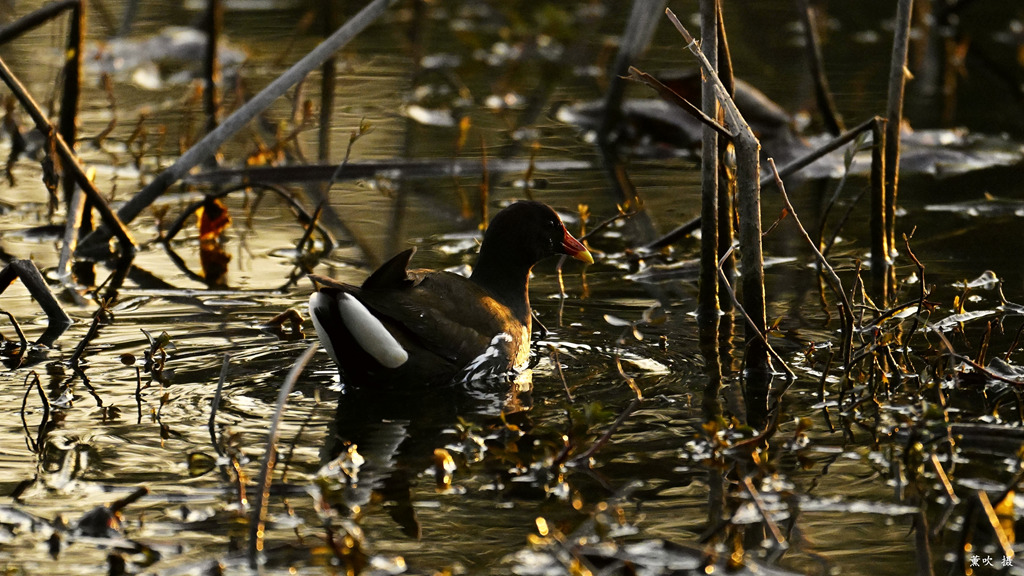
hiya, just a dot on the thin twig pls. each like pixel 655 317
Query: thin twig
pixel 732 295
pixel 846 311
pixel 94 329
pixel 215 405
pixel 829 147
pixel 850 158
pixel 314 221
pixel 921 296
pixel 257 522
pixel 138 393
pixel 786 171
pixel 601 226
pixel 673 97
pixel 780 540
pixel 281 192
pixel 363 129
pixel 608 433
pixel 22 342
pixel 561 375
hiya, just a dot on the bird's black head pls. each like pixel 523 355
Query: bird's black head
pixel 526 232
pixel 520 236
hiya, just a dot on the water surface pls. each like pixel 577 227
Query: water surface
pixel 113 428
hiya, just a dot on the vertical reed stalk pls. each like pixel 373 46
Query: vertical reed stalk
pixel 68 120
pixel 726 176
pixel 707 299
pixel 328 15
pixel 79 216
pixel 894 113
pixel 213 22
pixel 826 105
pixel 748 169
pixel 880 247
pixel 643 19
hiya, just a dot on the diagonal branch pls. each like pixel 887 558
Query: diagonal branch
pixel 69 159
pixel 670 95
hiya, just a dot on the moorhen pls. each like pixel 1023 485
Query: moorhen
pixel 421 326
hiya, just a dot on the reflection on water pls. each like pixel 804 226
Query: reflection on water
pixel 135 413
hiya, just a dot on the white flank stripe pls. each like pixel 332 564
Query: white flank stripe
pixel 370 333
pixel 318 306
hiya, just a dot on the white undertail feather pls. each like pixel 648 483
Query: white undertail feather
pixel 368 331
pixel 319 304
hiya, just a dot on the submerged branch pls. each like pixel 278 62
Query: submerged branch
pixel 58 319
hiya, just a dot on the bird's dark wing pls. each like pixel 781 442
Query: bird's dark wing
pixel 392 274
pixel 443 313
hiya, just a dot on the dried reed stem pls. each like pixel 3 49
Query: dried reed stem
pixel 894 112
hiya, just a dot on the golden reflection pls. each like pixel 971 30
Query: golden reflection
pixel 542 526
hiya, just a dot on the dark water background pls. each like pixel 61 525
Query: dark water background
pixel 108 441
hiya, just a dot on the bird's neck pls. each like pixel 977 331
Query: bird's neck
pixel 508 282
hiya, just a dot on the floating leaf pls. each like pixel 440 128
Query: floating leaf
pixel 616 321
pixel 987 280
pixel 654 315
pixel 199 464
pixel 951 321
pixel 158 342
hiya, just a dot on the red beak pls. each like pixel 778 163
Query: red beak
pixel 576 249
